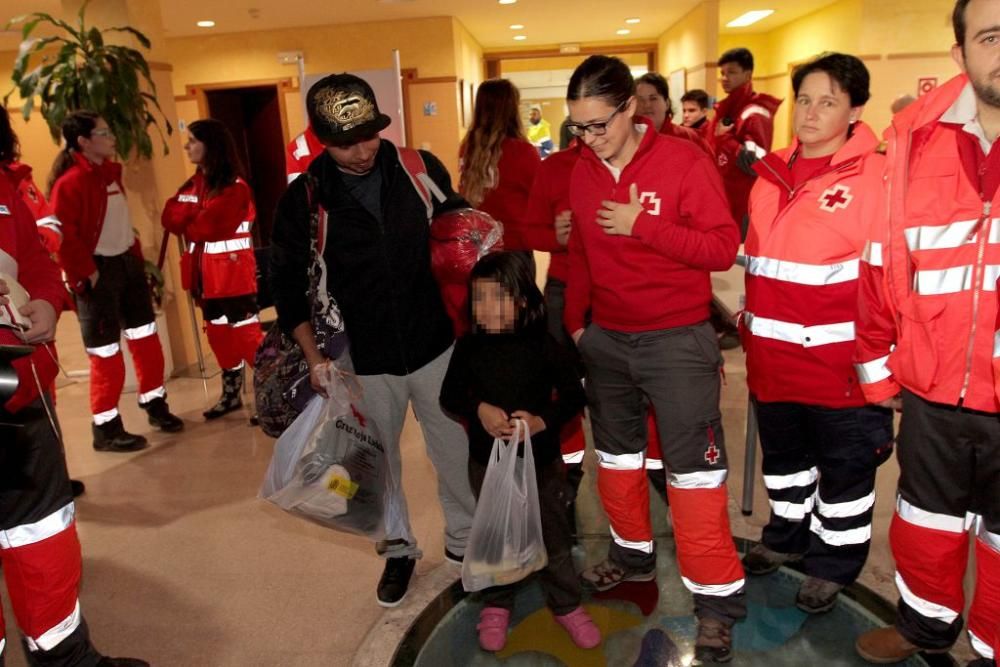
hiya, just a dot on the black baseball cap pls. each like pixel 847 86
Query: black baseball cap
pixel 343 109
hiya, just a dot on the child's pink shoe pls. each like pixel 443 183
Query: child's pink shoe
pixel 493 622
pixel 581 628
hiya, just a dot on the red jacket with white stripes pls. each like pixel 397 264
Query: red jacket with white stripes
pixel 803 249
pixel 550 197
pixel 49 227
pixel 752 116
pixel 300 152
pixel 80 200
pixel 219 259
pixel 928 312
pixel 23 258
pixel 659 277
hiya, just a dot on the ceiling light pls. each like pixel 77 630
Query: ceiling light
pixel 623 31
pixel 506 2
pixel 633 21
pixel 206 24
pixel 520 38
pixel 749 18
pixel 517 26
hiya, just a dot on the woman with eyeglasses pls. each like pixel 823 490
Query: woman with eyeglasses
pixel 498 163
pixel 651 223
pixel 214 211
pixel 102 260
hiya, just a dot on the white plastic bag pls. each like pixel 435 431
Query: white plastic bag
pixel 330 466
pixel 506 543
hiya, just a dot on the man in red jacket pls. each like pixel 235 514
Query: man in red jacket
pixel 741 130
pixel 926 344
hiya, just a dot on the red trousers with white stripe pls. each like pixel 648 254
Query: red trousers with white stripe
pixel 949 487
pixel 233 329
pixel 39 549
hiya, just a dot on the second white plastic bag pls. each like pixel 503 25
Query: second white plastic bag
pixel 506 543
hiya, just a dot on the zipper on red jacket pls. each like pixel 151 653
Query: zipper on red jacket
pixel 977 272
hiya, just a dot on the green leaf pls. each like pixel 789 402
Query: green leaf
pixel 142 39
pixel 95 37
pixel 27 108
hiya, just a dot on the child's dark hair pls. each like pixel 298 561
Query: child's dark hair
pixel 847 71
pixel 515 273
pixel 606 77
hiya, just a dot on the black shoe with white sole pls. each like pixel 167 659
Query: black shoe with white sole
pixel 395 580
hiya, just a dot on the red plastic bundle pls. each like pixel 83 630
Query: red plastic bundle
pixel 459 239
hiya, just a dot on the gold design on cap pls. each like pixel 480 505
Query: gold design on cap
pixel 344 108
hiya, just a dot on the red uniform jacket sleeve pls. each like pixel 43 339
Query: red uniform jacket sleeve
pixel 36 270
pixel 578 286
pixel 539 232
pixel 211 218
pixel 875 333
pixel 705 236
pixel 74 255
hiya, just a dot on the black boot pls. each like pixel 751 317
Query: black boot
pixel 112 437
pixel 160 416
pixel 232 385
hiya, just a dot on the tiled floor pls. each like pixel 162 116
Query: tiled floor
pixel 184 566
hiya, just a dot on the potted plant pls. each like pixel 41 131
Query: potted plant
pixel 78 70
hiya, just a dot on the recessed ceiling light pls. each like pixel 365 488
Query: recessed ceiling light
pixel 623 31
pixel 517 26
pixel 749 18
pixel 506 2
pixel 520 38
pixel 206 24
pixel 632 20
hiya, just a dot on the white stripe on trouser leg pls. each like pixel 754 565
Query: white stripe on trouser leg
pixel 105 417
pixel 846 509
pixel 144 331
pixel 159 392
pixel 645 547
pixel 918 517
pixel 841 538
pixel 219 320
pixel 715 590
pixel 654 464
pixel 51 638
pixel 991 540
pixel 573 458
pixel 981 647
pixel 249 320
pixel 237 367
pixel 705 479
pixel 792 511
pixel 922 606
pixel 803 479
pixel 43 529
pixel 3 642
pixel 621 461
pixel 104 351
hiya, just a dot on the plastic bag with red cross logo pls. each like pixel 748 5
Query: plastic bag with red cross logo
pixel 330 465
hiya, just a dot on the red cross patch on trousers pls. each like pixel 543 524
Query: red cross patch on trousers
pixel 836 197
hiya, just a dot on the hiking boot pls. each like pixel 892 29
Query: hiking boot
pixel 581 628
pixel 160 416
pixel 817 595
pixel 395 580
pixel 885 646
pixel 714 642
pixel 607 574
pixel 122 662
pixel 763 560
pixel 112 437
pixel 492 627
pixel 232 385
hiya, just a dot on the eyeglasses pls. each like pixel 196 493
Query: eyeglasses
pixel 104 132
pixel 597 129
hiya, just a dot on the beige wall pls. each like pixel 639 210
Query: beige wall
pixel 691 44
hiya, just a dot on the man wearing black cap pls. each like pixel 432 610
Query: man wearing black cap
pixel 379 272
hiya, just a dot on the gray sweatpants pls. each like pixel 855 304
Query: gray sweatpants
pixel 387 397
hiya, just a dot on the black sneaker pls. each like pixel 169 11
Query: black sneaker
pixel 453 558
pixel 395 580
pixel 160 416
pixel 112 437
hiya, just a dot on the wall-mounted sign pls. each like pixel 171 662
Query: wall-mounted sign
pixel 430 108
pixel 926 85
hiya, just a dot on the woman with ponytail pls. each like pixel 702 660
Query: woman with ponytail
pixel 214 211
pixel 102 260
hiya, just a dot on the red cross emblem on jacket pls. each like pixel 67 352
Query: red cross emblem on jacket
pixel 836 197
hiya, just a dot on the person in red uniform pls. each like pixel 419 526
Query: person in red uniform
pixel 102 261
pixel 694 110
pixel 39 549
pixel 926 343
pixel 498 163
pixel 214 211
pixel 809 216
pixel 742 128
pixel 653 96
pixel 651 223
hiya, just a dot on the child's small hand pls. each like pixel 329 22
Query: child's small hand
pixel 495 421
pixel 535 423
